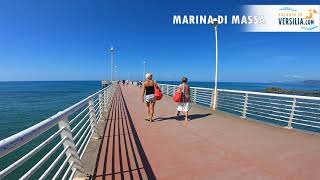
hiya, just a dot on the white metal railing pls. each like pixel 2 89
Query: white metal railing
pixel 67 135
pixel 199 95
pixel 301 112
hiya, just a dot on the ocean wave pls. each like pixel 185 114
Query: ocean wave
pixel 36 92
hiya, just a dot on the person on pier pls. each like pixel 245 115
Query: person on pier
pixel 148 95
pixel 184 105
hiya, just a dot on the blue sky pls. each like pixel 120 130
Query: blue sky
pixel 69 40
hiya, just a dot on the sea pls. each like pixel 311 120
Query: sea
pixel 23 104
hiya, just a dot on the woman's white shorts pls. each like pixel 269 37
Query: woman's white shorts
pixel 184 107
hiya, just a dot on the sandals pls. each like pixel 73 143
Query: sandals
pixel 146 119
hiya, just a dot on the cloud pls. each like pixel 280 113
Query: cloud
pixel 294 76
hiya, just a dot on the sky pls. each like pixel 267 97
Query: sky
pixel 70 40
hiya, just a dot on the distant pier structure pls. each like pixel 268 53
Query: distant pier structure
pixel 105 83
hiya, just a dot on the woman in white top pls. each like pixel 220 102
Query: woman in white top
pixel 184 105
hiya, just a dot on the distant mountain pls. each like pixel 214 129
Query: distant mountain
pixel 294 92
pixel 311 82
pixel 298 82
pixel 286 82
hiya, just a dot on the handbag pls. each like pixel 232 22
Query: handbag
pixel 177 96
pixel 157 92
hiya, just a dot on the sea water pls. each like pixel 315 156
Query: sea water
pixel 23 104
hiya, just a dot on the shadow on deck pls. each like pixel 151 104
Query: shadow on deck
pixel 191 117
pixel 121 154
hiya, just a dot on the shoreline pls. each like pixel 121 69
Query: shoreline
pixel 292 92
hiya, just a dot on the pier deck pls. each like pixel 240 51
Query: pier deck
pixel 215 145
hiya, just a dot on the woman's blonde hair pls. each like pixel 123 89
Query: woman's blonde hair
pixel 149 76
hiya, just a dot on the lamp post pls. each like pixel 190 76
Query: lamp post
pixel 215 95
pixel 112 50
pixel 115 72
pixel 144 69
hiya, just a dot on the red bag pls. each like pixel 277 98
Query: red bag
pixel 177 96
pixel 157 92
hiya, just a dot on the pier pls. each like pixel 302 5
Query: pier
pixel 213 145
pixel 117 143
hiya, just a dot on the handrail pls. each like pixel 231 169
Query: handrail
pixel 195 87
pixel 17 140
pixel 68 137
pixel 271 94
pixel 255 93
pixel 254 104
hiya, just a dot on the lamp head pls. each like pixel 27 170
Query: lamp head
pixel 215 22
pixel 112 49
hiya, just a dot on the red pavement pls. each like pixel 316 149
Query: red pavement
pixel 214 145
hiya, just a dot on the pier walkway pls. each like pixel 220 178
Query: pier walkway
pixel 215 145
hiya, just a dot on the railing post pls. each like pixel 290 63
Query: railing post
pixel 293 107
pixel 93 120
pixel 102 108
pixel 214 101
pixel 70 146
pixel 195 96
pixel 176 90
pixel 245 106
pixel 105 101
pixel 168 90
pixel 173 90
